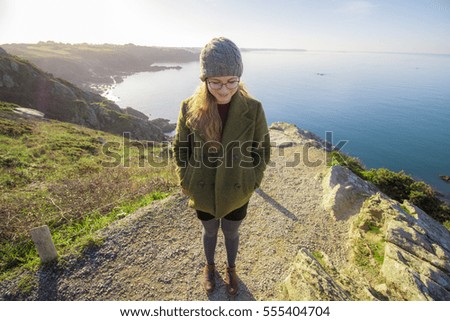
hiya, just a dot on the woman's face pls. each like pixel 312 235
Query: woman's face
pixel 223 88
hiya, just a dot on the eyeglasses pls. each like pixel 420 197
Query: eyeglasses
pixel 216 85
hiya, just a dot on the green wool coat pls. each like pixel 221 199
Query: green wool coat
pixel 220 180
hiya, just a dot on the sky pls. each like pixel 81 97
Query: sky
pixel 342 25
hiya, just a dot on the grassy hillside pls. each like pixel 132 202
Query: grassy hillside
pixel 73 179
pixel 84 64
pixel 22 83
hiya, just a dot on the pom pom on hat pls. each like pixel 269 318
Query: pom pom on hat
pixel 220 57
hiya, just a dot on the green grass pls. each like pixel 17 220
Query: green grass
pixel 407 211
pixel 375 241
pixel 447 225
pixel 368 249
pixel 319 257
pixel 369 255
pixel 56 174
pixel 41 51
pixel 71 238
pixel 56 50
pixel 369 242
pixel 4 106
pixel 374 229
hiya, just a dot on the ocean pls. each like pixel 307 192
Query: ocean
pixel 392 109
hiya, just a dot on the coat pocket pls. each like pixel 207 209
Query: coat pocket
pixel 185 181
pixel 249 180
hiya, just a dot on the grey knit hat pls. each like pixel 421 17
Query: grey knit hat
pixel 220 57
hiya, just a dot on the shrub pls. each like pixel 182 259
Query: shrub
pixel 352 163
pixel 396 185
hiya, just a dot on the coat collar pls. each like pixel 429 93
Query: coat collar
pixel 237 120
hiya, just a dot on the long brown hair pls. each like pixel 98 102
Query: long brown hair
pixel 203 115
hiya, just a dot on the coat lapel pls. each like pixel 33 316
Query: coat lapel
pixel 238 121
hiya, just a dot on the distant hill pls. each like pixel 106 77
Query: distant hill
pixel 23 83
pixel 87 65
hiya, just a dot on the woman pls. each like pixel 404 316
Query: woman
pixel 221 149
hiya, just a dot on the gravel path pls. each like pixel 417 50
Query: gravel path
pixel 156 253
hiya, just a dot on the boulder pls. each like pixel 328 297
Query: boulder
pixel 344 192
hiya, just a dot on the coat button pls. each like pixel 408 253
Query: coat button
pixel 201 184
pixel 237 186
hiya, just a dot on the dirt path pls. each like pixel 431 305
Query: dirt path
pixel 156 253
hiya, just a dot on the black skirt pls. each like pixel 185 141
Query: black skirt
pixel 236 215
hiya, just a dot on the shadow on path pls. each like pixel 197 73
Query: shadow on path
pixel 276 205
pixel 48 282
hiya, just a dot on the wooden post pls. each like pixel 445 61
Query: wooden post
pixel 43 240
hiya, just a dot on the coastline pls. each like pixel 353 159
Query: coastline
pixel 105 90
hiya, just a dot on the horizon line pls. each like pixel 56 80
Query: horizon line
pixel 242 48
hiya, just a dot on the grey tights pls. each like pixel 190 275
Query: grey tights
pixel 230 231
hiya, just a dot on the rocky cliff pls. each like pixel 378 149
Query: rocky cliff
pixel 394 251
pixel 25 84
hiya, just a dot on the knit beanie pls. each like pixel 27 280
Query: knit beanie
pixel 220 57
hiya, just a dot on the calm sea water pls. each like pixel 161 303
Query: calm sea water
pixel 393 109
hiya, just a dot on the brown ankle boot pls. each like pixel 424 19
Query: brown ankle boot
pixel 209 277
pixel 231 281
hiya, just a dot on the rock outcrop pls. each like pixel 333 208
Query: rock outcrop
pixel 136 113
pixel 344 192
pixel 417 253
pixel 165 124
pixel 26 85
pixel 395 251
pixel 309 281
pixel 286 135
